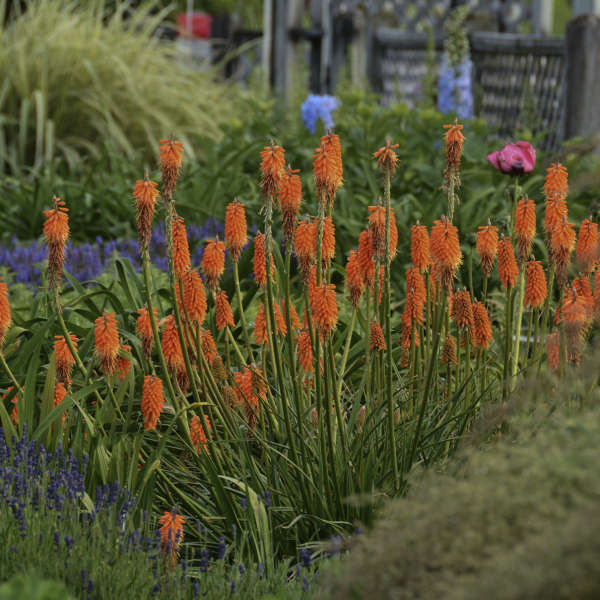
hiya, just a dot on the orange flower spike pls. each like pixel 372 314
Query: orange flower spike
pixel 327 168
pixel 171 533
pixel 354 278
pixel 328 245
pixel 208 346
pixel 280 324
pixel 387 159
pixel 60 393
pixel 324 308
pixel 416 294
pixel 145 194
pixel 449 351
pixel 445 249
pixel 454 144
pixel 556 184
pixel 5 316
pixel 144 330
pixel 525 222
pixel 290 199
pixel 365 257
pixel 171 156
pixel 56 233
pixel 482 328
pixel 294 318
pixel 507 264
pixel 305 247
pixel 194 297
pixel 171 346
pixel 223 312
pixel 153 400
pixel 587 245
pixel 583 286
pixel 246 396
pixel 462 310
pixel 213 263
pixel 107 342
pixel 181 249
pixel 63 358
pixel 236 229
pixel 305 353
pixel 197 433
pixel 260 261
pixel 419 247
pixel 535 284
pixel 123 363
pixel 377 227
pixel 553 350
pixel 487 247
pixel 260 334
pixel 562 244
pixel 272 166
pixel 376 339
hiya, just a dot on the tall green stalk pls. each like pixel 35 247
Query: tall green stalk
pixel 238 292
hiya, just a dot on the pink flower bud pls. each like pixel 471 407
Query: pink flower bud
pixel 514 159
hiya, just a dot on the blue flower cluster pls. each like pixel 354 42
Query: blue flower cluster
pixel 455 89
pixel 317 107
pixel 86 261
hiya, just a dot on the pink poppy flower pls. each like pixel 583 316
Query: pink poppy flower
pixel 514 159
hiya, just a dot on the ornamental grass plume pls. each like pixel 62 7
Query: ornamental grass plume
pixel 213 263
pixel 354 278
pixel 323 305
pixel 508 270
pixel 327 168
pixel 223 312
pixel 56 234
pixel 60 393
pixel 419 247
pixel 197 433
pixel 525 222
pixel 305 247
pixel 236 229
pixel 445 250
pixel 145 194
pixel 194 297
pixel 171 534
pixel 587 245
pixel 562 243
pixel 376 338
pixel 416 295
pixel 328 242
pixel 153 401
pixel 305 353
pixel 271 167
pixel 535 284
pixel 246 397
pixel 365 257
pixel 290 199
pixel 377 227
pixel 449 351
pixel 171 153
pixel 181 249
pixel 260 261
pixel 482 328
pixel 106 336
pixel 64 360
pixel 144 330
pixel 487 247
pixel 123 363
pixel 387 159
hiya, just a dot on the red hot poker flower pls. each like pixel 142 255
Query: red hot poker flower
pixel 271 167
pixel 213 263
pixel 419 247
pixel 107 342
pixel 236 236
pixel 507 264
pixel 487 247
pixel 170 163
pixel 153 401
pixel 386 158
pixel 290 198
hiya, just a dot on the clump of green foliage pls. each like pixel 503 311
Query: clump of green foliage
pixel 77 76
pixel 511 520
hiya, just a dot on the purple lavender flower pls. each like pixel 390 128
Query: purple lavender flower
pixel 317 107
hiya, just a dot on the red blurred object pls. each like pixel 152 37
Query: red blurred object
pixel 194 25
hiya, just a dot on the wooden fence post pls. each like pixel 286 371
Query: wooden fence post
pixel 583 76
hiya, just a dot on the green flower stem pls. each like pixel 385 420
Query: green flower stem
pixel 10 374
pixel 507 343
pixel 515 356
pixel 238 292
pixel 530 333
pixel 544 320
pixel 346 351
pixel 388 328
